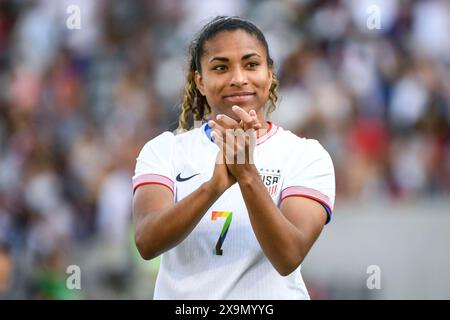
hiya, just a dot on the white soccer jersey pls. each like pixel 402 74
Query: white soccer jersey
pixel 221 258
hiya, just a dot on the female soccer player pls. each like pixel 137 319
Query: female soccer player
pixel 227 226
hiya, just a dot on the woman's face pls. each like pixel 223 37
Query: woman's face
pixel 234 72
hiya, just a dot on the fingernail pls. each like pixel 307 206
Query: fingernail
pixel 219 117
pixel 210 123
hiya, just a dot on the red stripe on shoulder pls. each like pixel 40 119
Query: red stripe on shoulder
pixel 153 179
pixel 299 191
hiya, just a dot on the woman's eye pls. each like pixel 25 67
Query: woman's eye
pixel 220 68
pixel 252 64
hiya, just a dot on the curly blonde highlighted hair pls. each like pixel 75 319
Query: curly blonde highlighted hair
pixel 194 103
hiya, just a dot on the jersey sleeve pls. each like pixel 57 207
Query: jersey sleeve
pixel 310 174
pixel 154 163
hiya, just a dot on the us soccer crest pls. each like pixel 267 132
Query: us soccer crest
pixel 271 179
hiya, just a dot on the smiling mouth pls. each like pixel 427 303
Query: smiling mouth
pixel 240 97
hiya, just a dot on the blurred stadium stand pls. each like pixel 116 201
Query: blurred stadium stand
pixel 76 106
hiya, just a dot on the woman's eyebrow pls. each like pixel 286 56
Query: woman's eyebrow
pixel 219 59
pixel 249 55
pixel 244 57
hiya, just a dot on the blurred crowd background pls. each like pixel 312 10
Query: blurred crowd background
pixel 77 105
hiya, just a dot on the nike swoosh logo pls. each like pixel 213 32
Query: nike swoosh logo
pixel 180 179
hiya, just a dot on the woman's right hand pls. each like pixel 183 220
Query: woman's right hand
pixel 222 179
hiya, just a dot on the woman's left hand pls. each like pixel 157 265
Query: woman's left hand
pixel 239 140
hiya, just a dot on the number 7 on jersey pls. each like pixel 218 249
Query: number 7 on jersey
pixel 221 214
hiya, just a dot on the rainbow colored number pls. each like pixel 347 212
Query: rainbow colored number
pixel 222 214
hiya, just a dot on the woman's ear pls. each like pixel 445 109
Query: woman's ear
pixel 199 82
pixel 270 74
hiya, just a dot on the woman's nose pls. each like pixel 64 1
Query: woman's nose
pixel 239 77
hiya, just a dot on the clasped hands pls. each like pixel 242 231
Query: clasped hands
pixel 236 141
